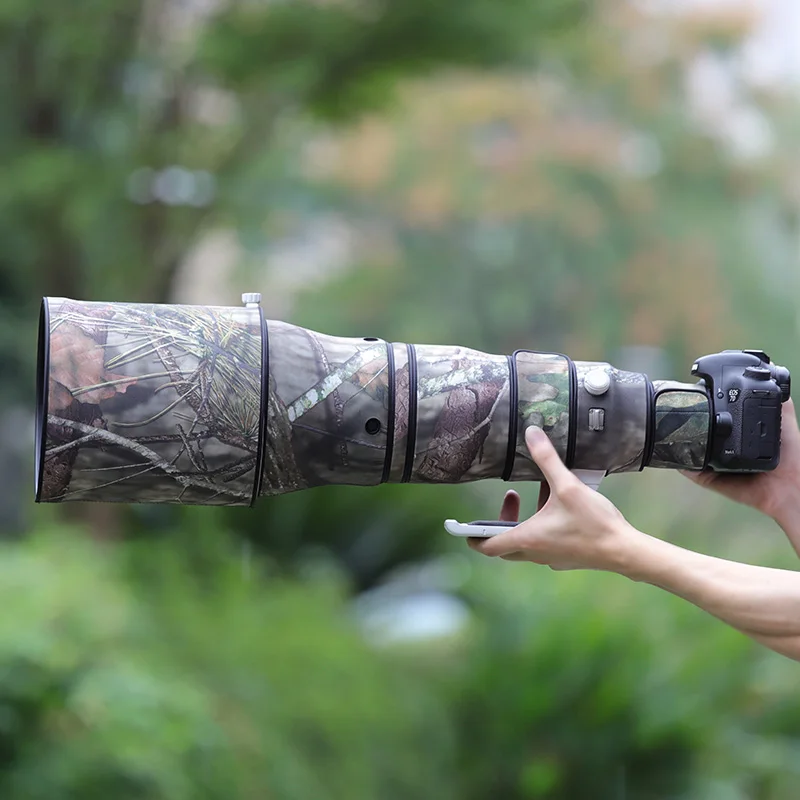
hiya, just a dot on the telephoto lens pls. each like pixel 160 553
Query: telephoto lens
pixel 206 405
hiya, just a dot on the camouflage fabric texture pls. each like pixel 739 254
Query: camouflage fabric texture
pixel 336 414
pixel 146 403
pixel 543 399
pixel 162 404
pixel 682 422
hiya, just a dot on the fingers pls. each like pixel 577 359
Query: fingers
pixel 700 478
pixel 725 484
pixel 508 545
pixel 547 459
pixel 500 545
pixel 518 556
pixel 789 420
pixel 509 512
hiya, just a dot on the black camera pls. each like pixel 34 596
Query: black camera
pixel 745 392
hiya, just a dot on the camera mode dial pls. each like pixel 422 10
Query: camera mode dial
pixel 758 373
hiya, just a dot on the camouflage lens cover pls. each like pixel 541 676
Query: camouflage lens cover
pixel 149 403
pixel 327 417
pixel 543 392
pixel 163 404
pixel 462 415
pixel 619 443
pixel 682 422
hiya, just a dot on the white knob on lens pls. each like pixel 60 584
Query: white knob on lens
pixel 597 382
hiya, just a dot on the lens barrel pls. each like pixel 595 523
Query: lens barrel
pixel 217 406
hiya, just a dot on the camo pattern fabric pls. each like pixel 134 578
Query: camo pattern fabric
pixel 681 426
pixel 462 415
pixel 150 403
pixel 543 386
pixel 329 420
pixel 327 417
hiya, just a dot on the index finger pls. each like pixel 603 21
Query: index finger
pixel 547 459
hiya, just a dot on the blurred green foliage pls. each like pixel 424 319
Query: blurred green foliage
pixel 669 708
pixel 130 672
pixel 93 95
pixel 135 671
pixel 516 174
pixel 340 61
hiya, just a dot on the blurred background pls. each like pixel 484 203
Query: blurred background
pixel 613 179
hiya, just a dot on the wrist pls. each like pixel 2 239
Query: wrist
pixel 785 509
pixel 646 559
pixel 627 550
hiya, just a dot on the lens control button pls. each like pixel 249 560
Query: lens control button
pixel 597 382
pixel 597 419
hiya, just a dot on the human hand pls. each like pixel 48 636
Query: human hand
pixel 775 493
pixel 573 528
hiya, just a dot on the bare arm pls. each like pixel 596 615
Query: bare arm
pixel 576 528
pixel 761 602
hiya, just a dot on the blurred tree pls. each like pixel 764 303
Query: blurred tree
pixel 131 126
pixel 600 201
pixel 127 121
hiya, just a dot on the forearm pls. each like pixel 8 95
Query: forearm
pixel 762 602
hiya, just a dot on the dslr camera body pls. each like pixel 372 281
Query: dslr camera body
pixel 746 391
